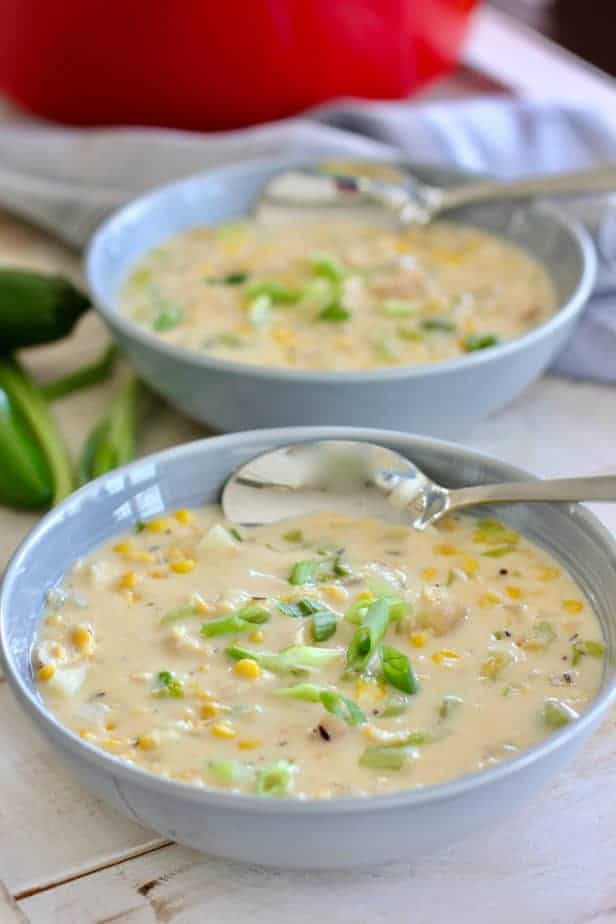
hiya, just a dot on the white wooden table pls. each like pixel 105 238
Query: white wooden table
pixel 65 857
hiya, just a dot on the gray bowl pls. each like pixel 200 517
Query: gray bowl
pixel 439 399
pixel 287 833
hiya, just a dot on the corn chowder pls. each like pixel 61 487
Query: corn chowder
pixel 324 656
pixel 337 296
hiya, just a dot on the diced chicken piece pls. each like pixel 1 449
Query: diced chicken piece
pixel 438 611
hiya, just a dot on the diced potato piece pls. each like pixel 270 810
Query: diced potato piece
pixel 436 610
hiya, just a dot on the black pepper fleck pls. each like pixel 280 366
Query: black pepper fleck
pixel 503 571
pixel 325 735
pixel 567 677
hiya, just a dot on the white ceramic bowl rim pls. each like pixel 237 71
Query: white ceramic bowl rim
pixel 239 802
pixel 131 329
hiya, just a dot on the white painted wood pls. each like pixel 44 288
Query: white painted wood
pixel 552 865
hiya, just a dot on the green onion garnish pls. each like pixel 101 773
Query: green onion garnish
pixel 492 532
pixel 555 713
pixel 167 319
pixel 276 292
pixel 293 535
pixel 331 700
pixel 229 772
pixel 335 313
pixel 383 758
pixel 317 570
pixel 275 780
pixel 480 342
pixel 397 670
pixel 369 635
pixel 239 621
pixel 296 659
pixel 499 551
pixel 449 705
pixel 438 324
pixel 169 685
pixel 260 311
pixel 579 649
pixel 328 267
pixel 324 625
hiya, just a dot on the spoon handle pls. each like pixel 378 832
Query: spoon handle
pixel 598 488
pixel 595 180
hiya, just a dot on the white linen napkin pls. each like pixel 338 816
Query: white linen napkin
pixel 68 180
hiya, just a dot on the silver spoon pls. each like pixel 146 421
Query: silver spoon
pixel 369 480
pixel 414 202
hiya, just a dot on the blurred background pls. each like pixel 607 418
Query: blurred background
pixel 211 66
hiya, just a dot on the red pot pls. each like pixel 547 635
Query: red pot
pixel 218 64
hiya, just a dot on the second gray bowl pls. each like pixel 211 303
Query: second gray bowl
pixel 438 399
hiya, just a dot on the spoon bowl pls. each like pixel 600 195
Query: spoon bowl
pixel 366 479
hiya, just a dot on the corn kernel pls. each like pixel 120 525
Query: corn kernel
pixel 82 639
pixel 87 735
pixel 183 516
pixel 111 725
pixel 222 730
pixel 337 594
pixel 428 574
pixel 124 548
pixel 183 566
pixel 159 524
pixel 470 566
pixel 514 592
pixel 248 668
pixel 418 639
pixel 148 742
pixel 58 651
pixel 444 655
pixel 158 573
pixel 365 595
pixel 573 606
pixel 46 672
pixel 489 599
pixel 256 636
pixel 369 689
pixel 548 574
pixel 248 744
pixel 445 548
pixel 284 336
pixel 209 710
pixel 128 580
pixel 204 695
pixel 112 744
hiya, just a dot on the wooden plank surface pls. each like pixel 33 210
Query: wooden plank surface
pixel 554 863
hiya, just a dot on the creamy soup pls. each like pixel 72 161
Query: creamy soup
pixel 337 296
pixel 324 656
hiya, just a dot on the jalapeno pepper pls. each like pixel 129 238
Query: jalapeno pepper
pixel 36 308
pixel 35 468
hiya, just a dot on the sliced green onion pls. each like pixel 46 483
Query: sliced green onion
pixel 296 659
pixel 239 621
pixel 231 279
pixel 438 324
pixel 397 670
pixel 409 333
pixel 544 632
pixel 328 267
pixel 395 706
pixel 324 625
pixel 300 609
pixel 335 313
pixel 293 535
pixel 382 758
pixel 368 636
pixel 331 700
pixel 493 532
pixel 169 685
pixel 581 648
pixel 178 614
pixel 275 780
pixel 316 570
pixel 555 713
pixel 499 551
pixel 168 318
pixel 480 342
pixel 229 772
pixel 276 292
